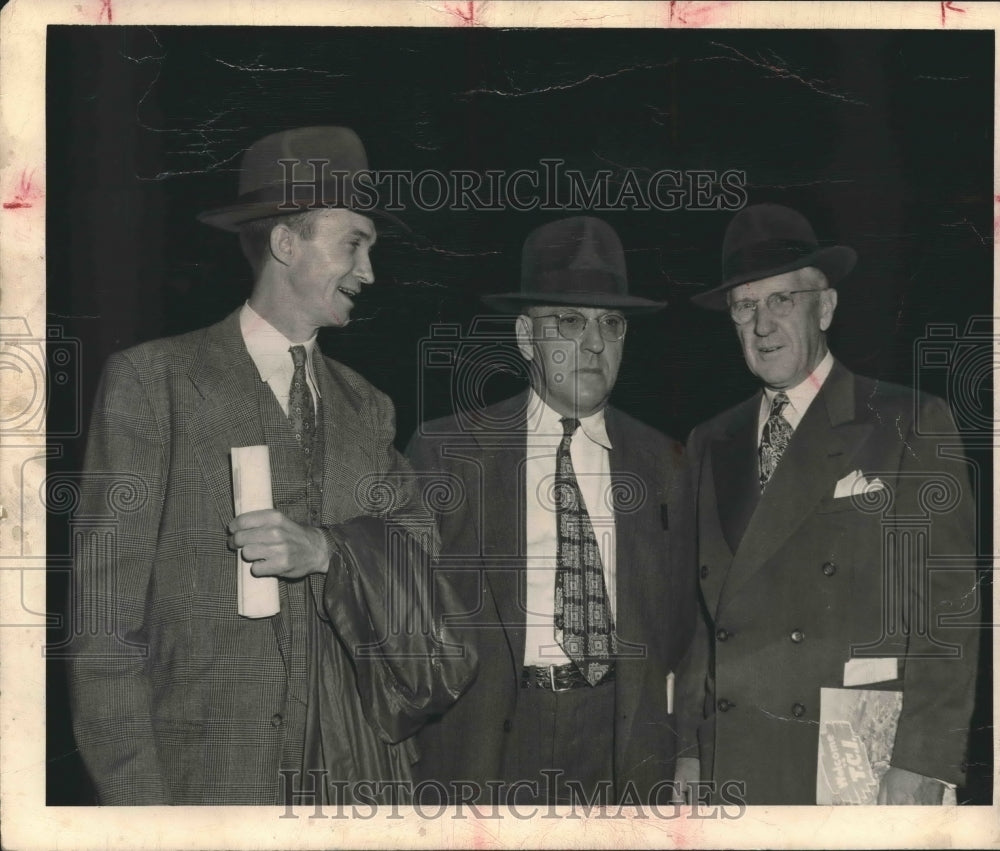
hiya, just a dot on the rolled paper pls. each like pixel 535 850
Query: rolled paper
pixel 257 596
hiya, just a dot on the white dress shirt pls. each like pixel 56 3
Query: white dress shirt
pixel 800 397
pixel 269 350
pixel 589 453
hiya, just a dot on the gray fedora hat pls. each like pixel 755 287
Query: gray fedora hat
pixel 576 261
pixel 764 240
pixel 297 170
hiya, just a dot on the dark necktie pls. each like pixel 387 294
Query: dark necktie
pixel 301 413
pixel 583 623
pixel 774 439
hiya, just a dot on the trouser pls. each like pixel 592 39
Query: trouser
pixel 570 736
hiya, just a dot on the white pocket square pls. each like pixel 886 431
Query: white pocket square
pixel 855 484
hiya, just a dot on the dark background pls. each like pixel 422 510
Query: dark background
pixel 883 139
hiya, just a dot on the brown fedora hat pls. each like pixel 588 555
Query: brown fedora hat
pixel 576 261
pixel 764 240
pixel 294 171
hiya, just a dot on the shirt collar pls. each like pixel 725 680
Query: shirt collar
pixel 544 420
pixel 268 347
pixel 800 396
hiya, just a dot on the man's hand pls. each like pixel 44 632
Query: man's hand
pixel 278 546
pixel 900 786
pixel 688 771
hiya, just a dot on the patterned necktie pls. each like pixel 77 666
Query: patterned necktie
pixel 584 628
pixel 774 439
pixel 301 413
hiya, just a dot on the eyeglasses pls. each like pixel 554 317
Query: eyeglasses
pixel 572 325
pixel 779 304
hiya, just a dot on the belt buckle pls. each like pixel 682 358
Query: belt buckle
pixel 552 680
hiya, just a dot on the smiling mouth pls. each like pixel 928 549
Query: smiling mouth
pixel 349 293
pixel 766 350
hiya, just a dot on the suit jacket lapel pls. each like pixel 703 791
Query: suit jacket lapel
pixel 227 413
pixel 343 467
pixel 504 524
pixel 637 611
pixel 735 472
pixel 819 453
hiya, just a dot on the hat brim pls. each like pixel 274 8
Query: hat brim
pixel 514 303
pixel 232 217
pixel 836 262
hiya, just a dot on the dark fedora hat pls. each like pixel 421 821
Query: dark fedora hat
pixel 294 171
pixel 764 240
pixel 576 261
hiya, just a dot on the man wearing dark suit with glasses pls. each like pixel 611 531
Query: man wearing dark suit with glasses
pixel 559 547
pixel 835 543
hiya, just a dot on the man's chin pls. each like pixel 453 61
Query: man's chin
pixel 340 318
pixel 587 405
pixel 771 375
pixel 579 406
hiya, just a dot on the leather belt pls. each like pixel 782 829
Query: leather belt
pixel 559 677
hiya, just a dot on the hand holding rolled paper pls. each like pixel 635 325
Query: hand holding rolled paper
pixel 257 596
pixel 278 546
pixel 270 545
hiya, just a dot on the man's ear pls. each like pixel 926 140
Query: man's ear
pixel 281 244
pixel 828 304
pixel 522 327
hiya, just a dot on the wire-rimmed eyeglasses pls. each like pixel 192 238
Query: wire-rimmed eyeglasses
pixel 572 325
pixel 779 304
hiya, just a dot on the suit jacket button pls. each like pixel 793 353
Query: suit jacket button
pixel 722 635
pixel 507 726
pixel 276 720
pixel 725 705
pixel 704 571
pixel 798 710
pixel 829 568
pixel 798 636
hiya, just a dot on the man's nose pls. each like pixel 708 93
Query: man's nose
pixel 763 320
pixel 363 269
pixel 592 341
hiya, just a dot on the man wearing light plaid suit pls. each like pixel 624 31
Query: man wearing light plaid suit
pixel 177 698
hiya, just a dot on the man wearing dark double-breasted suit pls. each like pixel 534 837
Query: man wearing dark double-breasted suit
pixel 572 696
pixel 835 541
pixel 177 697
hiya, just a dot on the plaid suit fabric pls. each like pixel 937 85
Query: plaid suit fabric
pixel 296 490
pixel 175 698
